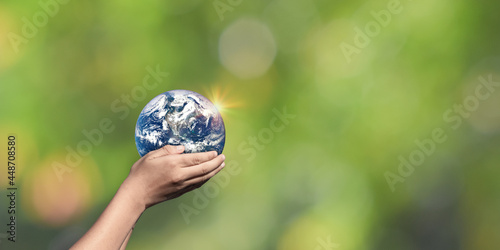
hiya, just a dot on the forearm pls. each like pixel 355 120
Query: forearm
pixel 113 228
pixel 127 238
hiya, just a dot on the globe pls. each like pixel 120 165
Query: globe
pixel 180 117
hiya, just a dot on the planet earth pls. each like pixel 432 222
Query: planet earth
pixel 180 117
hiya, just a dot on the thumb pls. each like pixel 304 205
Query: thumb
pixel 166 150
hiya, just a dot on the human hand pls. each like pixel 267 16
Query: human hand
pixel 160 175
pixel 165 174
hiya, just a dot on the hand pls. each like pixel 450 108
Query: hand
pixel 160 175
pixel 165 174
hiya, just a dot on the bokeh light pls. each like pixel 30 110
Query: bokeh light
pixel 56 201
pixel 480 96
pixel 247 48
pixel 8 28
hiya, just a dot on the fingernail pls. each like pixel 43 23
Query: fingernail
pixel 223 157
pixel 214 153
pixel 180 148
pixel 223 164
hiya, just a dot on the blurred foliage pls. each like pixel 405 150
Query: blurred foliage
pixel 321 179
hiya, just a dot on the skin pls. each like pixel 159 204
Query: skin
pixel 161 175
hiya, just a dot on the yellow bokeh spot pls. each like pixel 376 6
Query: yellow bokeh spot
pixel 9 51
pixel 306 233
pixel 55 201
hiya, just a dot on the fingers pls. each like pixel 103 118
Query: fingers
pixel 166 150
pixel 193 159
pixel 204 168
pixel 200 180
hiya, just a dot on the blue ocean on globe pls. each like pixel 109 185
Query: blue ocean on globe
pixel 180 117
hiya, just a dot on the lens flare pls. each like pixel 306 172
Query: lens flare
pixel 224 99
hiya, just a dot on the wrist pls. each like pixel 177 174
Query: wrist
pixel 132 195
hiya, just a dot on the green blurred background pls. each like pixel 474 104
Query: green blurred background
pixel 321 182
